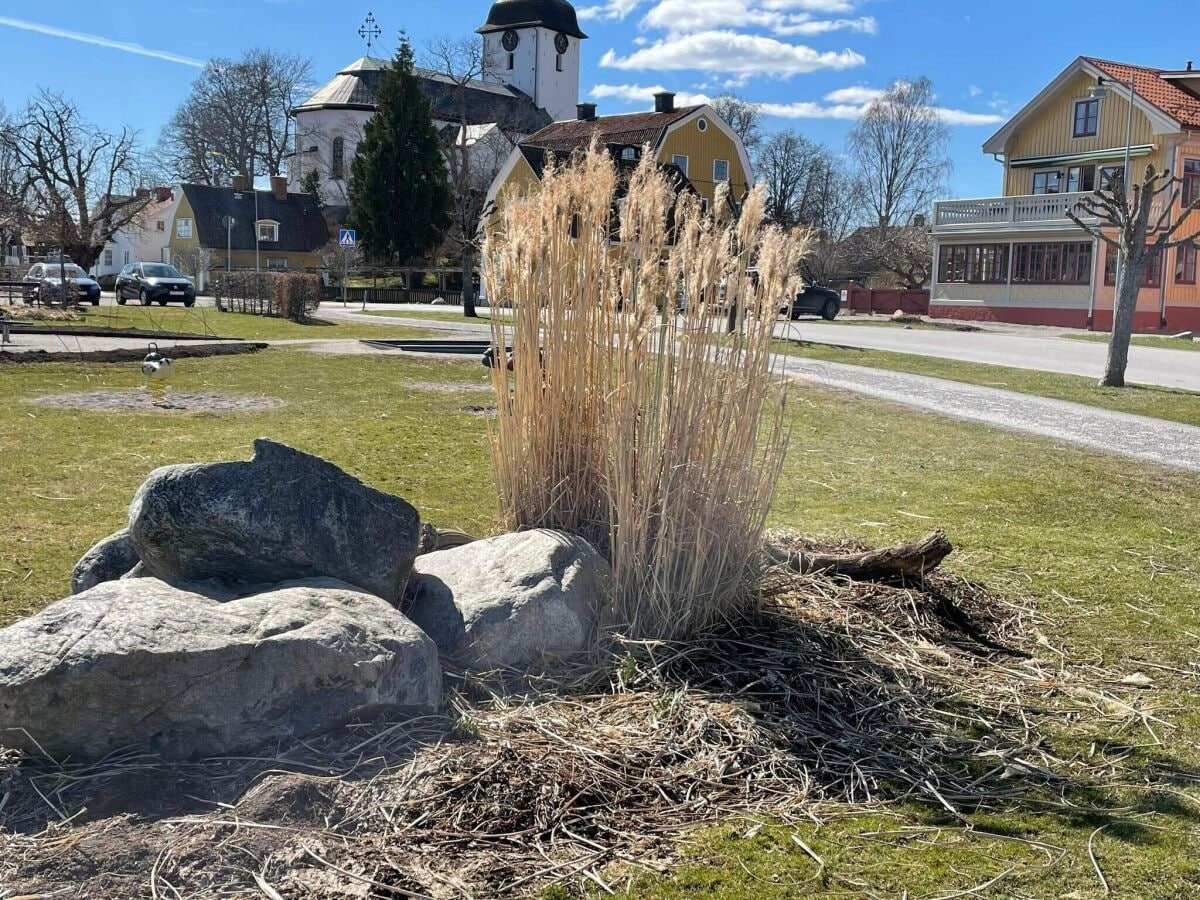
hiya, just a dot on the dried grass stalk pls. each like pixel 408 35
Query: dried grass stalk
pixel 631 417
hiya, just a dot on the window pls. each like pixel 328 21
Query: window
pixel 1191 181
pixel 1185 265
pixel 720 170
pixel 629 153
pixel 973 264
pixel 277 262
pixel 127 256
pixel 704 205
pixel 1151 278
pixel 1047 182
pixel 160 225
pixel 1087 118
pixel 1080 179
pixel 1052 263
pixel 681 161
pixel 268 231
pixel 702 124
pixel 512 61
pixel 558 62
pixel 337 166
pixel 1111 177
pixel 183 228
pixel 108 257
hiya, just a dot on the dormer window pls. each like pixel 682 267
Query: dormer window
pixel 268 231
pixel 629 153
pixel 1087 118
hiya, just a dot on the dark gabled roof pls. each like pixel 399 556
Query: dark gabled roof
pixel 538 158
pixel 557 15
pixel 302 227
pixel 631 130
pixel 482 102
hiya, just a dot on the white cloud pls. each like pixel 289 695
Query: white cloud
pixel 850 103
pixel 612 10
pixel 974 90
pixel 860 96
pixel 803 25
pixel 636 93
pixel 733 53
pixel 684 16
pixel 100 41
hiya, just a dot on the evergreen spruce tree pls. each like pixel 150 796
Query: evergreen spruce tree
pixel 399 200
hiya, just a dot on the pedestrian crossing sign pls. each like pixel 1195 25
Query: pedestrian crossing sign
pixel 347 238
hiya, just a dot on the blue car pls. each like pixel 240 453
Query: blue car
pixel 44 284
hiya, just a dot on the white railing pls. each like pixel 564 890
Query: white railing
pixel 1002 211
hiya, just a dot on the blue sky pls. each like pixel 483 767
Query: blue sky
pixel 812 62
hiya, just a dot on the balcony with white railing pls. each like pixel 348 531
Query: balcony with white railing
pixel 1038 211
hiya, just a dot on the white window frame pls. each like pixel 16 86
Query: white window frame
pixel 183 229
pixel 270 223
pixel 1033 181
pixel 717 180
pixel 273 262
pixel 108 257
pixel 686 162
pixel 702 124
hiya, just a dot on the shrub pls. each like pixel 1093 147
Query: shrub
pixel 658 436
pixel 285 295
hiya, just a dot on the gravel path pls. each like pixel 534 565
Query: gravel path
pixel 1152 440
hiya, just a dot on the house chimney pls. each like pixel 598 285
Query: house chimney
pixel 239 183
pixel 1189 65
pixel 664 102
pixel 585 112
pixel 279 188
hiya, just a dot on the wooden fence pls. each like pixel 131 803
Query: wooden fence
pixel 393 295
pixel 886 302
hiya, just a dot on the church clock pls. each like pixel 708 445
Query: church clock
pixel 510 40
pixel 561 42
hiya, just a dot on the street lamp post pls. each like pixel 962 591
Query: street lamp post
pixel 1100 92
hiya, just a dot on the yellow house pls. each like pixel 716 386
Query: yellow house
pixel 692 138
pixel 1018 257
pixel 215 228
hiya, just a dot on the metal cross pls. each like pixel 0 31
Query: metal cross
pixel 369 31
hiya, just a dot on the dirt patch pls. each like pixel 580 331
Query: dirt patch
pixel 487 412
pixel 448 387
pixel 144 401
pixel 202 351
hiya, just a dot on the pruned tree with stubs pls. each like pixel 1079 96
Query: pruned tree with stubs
pixel 236 119
pixel 744 117
pixel 80 184
pixel 1140 224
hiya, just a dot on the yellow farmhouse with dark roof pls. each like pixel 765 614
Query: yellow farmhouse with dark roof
pixel 694 139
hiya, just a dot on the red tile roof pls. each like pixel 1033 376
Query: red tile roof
pixel 633 129
pixel 1152 87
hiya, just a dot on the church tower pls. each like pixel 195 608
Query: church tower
pixel 533 45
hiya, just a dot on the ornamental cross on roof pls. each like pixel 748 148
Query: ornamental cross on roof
pixel 369 31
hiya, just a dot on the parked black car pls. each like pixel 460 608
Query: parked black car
pixel 43 284
pixel 154 283
pixel 816 300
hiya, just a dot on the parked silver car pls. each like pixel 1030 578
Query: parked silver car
pixel 44 283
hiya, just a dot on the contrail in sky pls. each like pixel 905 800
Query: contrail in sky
pixel 100 41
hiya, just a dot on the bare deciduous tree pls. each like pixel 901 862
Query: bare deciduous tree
pixel 743 117
pixel 13 210
pixel 900 149
pixel 1141 225
pixel 236 118
pixel 80 183
pixel 474 153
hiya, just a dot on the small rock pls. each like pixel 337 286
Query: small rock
pixel 141 663
pixel 510 601
pixel 282 516
pixel 109 560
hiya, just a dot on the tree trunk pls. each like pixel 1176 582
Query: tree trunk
pixel 903 562
pixel 468 283
pixel 1124 307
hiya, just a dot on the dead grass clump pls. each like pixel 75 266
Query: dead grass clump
pixel 631 417
pixel 837 697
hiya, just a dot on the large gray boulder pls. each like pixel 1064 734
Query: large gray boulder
pixel 514 601
pixel 109 560
pixel 283 515
pixel 141 663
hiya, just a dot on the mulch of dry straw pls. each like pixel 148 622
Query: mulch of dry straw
pixel 834 695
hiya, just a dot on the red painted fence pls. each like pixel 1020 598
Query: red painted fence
pixel 887 302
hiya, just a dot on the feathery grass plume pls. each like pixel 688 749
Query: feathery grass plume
pixel 631 417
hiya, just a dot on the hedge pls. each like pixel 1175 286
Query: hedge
pixel 283 295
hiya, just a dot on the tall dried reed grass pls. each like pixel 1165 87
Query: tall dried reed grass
pixel 631 416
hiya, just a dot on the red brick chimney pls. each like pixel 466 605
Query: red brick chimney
pixel 239 182
pixel 279 188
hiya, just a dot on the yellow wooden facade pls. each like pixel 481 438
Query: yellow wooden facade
pixel 703 148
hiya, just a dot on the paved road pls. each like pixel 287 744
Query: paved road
pixel 1044 350
pixel 1152 440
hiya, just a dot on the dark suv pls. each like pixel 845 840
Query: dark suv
pixel 154 283
pixel 816 300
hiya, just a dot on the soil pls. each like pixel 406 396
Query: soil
pixel 144 401
pixel 203 351
pixel 448 387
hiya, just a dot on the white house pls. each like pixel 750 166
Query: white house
pixel 143 240
pixel 531 78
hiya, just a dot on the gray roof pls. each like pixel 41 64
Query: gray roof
pixel 302 227
pixel 482 102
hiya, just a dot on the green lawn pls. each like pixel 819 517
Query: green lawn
pixel 207 320
pixel 1162 403
pixel 440 314
pixel 1142 341
pixel 1109 549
